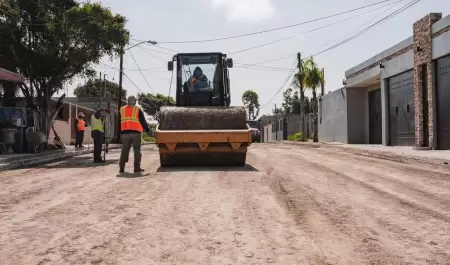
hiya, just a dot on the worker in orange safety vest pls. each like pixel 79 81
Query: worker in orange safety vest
pixel 132 124
pixel 80 127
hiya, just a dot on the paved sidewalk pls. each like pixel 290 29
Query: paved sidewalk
pixel 395 153
pixel 11 161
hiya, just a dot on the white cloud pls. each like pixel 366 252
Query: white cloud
pixel 245 10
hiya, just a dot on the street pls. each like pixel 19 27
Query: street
pixel 289 205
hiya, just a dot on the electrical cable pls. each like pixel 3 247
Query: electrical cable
pixel 273 29
pixel 284 84
pixel 312 30
pixel 262 69
pixel 144 94
pixel 141 71
pixel 410 4
pixel 170 88
pixel 349 39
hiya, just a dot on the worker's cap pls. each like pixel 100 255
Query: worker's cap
pixel 80 114
pixel 131 99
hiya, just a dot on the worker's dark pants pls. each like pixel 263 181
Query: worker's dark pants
pixel 98 142
pixel 128 140
pixel 79 136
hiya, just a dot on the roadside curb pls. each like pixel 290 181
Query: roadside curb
pixel 387 155
pixel 52 157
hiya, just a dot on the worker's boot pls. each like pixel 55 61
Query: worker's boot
pixel 99 160
pixel 138 169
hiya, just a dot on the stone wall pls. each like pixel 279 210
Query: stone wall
pixel 422 35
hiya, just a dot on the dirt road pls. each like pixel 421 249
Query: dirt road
pixel 290 205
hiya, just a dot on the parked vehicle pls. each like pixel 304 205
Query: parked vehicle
pixel 256 133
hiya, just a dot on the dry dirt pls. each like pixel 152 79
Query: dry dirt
pixel 289 205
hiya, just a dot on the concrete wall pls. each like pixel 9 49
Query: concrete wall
pixel 333 117
pixel 64 131
pixel 372 62
pixel 441 46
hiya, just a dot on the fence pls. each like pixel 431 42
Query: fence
pixel 281 127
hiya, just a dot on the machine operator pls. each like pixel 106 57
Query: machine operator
pixel 198 81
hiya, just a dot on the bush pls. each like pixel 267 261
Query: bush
pixel 147 138
pixel 295 137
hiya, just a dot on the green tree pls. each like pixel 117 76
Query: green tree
pixel 51 42
pixel 152 103
pixel 93 88
pixel 277 111
pixel 251 102
pixel 313 78
pixel 291 102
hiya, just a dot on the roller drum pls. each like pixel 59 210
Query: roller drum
pixel 202 118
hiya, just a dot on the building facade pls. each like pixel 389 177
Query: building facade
pixel 399 97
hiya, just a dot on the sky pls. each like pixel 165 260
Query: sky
pixel 182 20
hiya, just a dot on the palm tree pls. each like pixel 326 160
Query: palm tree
pixel 313 78
pixel 300 75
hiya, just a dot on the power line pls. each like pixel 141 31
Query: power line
pixel 282 86
pixel 367 22
pixel 262 69
pixel 146 48
pixel 410 4
pixel 349 39
pixel 273 29
pixel 141 71
pixel 312 30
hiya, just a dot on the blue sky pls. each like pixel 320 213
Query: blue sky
pixel 181 20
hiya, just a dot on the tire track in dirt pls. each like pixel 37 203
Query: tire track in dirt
pixel 368 179
pixel 318 242
pixel 334 196
pixel 385 182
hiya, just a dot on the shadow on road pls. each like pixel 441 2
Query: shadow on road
pixel 77 162
pixel 247 168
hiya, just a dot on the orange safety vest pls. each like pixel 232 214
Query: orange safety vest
pixel 81 125
pixel 129 119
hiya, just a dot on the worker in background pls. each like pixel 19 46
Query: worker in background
pixel 132 124
pixel 80 126
pixel 97 133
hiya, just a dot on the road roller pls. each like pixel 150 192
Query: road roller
pixel 202 129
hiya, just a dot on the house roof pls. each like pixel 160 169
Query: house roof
pixel 11 76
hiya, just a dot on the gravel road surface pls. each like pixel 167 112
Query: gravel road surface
pixel 289 205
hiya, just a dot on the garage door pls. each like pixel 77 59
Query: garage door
pixel 401 109
pixel 443 102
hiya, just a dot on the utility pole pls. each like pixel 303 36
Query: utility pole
pixel 302 95
pixel 100 90
pixel 322 92
pixel 322 85
pixel 119 103
pixel 119 100
pixel 104 88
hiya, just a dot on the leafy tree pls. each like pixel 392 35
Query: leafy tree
pixel 291 102
pixel 51 42
pixel 277 111
pixel 93 88
pixel 152 103
pixel 251 102
pixel 312 79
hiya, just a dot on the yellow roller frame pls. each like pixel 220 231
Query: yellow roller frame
pixel 168 141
